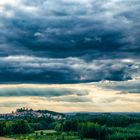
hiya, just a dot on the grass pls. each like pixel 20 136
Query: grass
pixel 48 135
pixel 118 134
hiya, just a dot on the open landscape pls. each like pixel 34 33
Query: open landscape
pixel 69 69
pixel 27 124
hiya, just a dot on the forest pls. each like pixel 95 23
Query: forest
pixel 103 126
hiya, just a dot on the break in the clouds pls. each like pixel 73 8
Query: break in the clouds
pixel 68 41
pixel 67 97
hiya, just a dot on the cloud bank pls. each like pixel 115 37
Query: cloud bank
pixel 68 41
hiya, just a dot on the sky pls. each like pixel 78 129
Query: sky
pixel 70 55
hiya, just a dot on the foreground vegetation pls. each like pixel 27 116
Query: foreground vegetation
pixel 48 135
pixel 77 127
pixel 89 133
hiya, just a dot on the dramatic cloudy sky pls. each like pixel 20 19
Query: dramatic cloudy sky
pixel 74 42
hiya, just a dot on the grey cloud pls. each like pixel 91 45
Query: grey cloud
pixel 40 92
pixel 53 32
pixel 65 70
pixel 126 87
pixel 69 99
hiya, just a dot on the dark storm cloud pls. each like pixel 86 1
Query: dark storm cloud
pixel 66 41
pixel 31 69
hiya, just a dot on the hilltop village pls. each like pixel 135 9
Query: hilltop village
pixel 28 112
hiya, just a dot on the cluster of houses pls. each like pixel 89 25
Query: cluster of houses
pixel 27 112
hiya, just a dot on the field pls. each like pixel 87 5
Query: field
pixel 121 133
pixel 48 135
pixel 2 138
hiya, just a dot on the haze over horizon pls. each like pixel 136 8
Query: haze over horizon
pixel 70 55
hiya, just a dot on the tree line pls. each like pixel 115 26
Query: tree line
pixel 103 126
